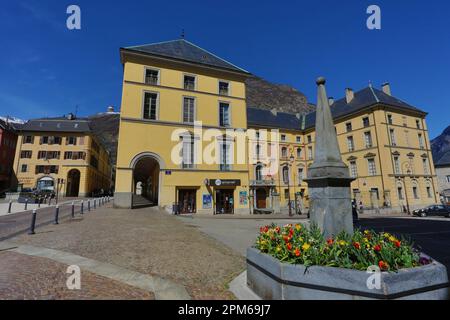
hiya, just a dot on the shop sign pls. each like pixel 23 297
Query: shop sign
pixel 207 201
pixel 224 182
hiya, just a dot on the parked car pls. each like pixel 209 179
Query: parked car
pixel 433 210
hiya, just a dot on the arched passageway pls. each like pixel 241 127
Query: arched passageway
pixel 73 183
pixel 146 181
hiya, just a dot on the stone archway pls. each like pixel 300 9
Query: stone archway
pixel 73 183
pixel 146 180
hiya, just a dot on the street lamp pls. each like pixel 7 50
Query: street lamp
pixel 407 166
pixel 291 161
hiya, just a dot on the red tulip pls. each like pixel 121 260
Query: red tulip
pixel 377 248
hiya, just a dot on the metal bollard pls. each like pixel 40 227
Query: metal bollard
pixel 89 205
pixel 95 204
pixel 33 222
pixel 73 209
pixel 56 215
pixel 26 204
pixel 82 207
pixel 39 202
pixel 9 207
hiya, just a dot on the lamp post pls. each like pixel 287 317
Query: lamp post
pixel 407 166
pixel 291 161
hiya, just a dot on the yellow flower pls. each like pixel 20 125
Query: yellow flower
pixel 386 235
pixel 342 243
pixel 392 239
pixel 298 227
pixel 278 249
pixel 366 240
pixel 306 246
pixel 366 232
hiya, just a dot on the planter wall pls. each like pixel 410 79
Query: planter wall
pixel 272 280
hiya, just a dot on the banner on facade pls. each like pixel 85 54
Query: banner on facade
pixel 207 201
pixel 243 198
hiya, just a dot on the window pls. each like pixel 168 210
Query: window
pixel 286 174
pixel 43 140
pixel 392 134
pixel 309 139
pixel 69 155
pixel 348 126
pixel 400 193
pixel 28 139
pixel 47 155
pixel 188 110
pixel 353 169
pixel 257 135
pixel 286 194
pixel 396 165
pixel 258 173
pixel 189 82
pixel 310 153
pixel 224 114
pixel 188 152
pixel 411 165
pixel 350 143
pixel 24 168
pixel 151 76
pixel 224 88
pixel 429 194
pixel 225 153
pixel 46 169
pixel 405 121
pixel 299 152
pixel 300 175
pixel 150 105
pixel 283 137
pixel 71 140
pixel 389 117
pixel 94 162
pixel 417 124
pixel 368 139
pixel 425 166
pixel 25 154
pixel 298 139
pixel 421 143
pixel 415 192
pixel 372 167
pixel 284 152
pixel 258 151
pixel 366 122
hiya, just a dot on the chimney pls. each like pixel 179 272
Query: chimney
pixel 111 109
pixel 349 94
pixel 330 101
pixel 274 111
pixel 386 88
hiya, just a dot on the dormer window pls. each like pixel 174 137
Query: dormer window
pixel 224 88
pixel 189 82
pixel 151 76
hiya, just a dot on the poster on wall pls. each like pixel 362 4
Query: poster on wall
pixel 207 201
pixel 243 198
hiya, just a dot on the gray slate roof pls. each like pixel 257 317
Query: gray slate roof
pixel 61 124
pixel 364 98
pixel 184 50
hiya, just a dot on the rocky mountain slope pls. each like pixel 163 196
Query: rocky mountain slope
pixel 441 145
pixel 106 127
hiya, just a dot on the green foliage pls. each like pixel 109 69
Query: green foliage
pixel 297 244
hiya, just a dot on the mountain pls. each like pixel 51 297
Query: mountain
pixel 105 126
pixel 12 120
pixel 441 145
pixel 266 95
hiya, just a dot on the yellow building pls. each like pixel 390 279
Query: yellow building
pixel 168 87
pixel 383 140
pixel 63 149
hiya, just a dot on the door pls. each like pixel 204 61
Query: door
pixel 187 200
pixel 224 201
pixel 261 196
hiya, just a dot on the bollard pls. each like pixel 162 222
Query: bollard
pixel 89 205
pixel 33 222
pixel 82 207
pixel 9 207
pixel 73 209
pixel 56 215
pixel 26 204
pixel 95 203
pixel 39 202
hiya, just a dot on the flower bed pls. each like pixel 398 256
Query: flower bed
pixel 296 244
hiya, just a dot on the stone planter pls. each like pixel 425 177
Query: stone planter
pixel 272 280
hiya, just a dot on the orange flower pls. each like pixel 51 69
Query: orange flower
pixel 289 246
pixel 383 265
pixel 277 229
pixel 377 248
pixel 330 241
pixel 297 252
pixel 357 245
pixel 397 243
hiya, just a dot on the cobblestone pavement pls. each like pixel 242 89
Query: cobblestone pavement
pixel 147 241
pixel 25 277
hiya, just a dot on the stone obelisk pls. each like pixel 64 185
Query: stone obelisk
pixel 328 177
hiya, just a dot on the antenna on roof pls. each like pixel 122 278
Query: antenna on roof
pixel 182 33
pixel 370 84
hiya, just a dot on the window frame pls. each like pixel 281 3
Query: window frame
pixel 158 82
pixel 194 112
pixel 144 92
pixel 229 114
pixel 218 87
pixel 184 78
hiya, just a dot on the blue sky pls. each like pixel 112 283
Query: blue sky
pixel 48 70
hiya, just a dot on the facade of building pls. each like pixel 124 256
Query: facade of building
pixel 8 141
pixel 61 155
pixel 443 174
pixel 168 87
pixel 383 140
